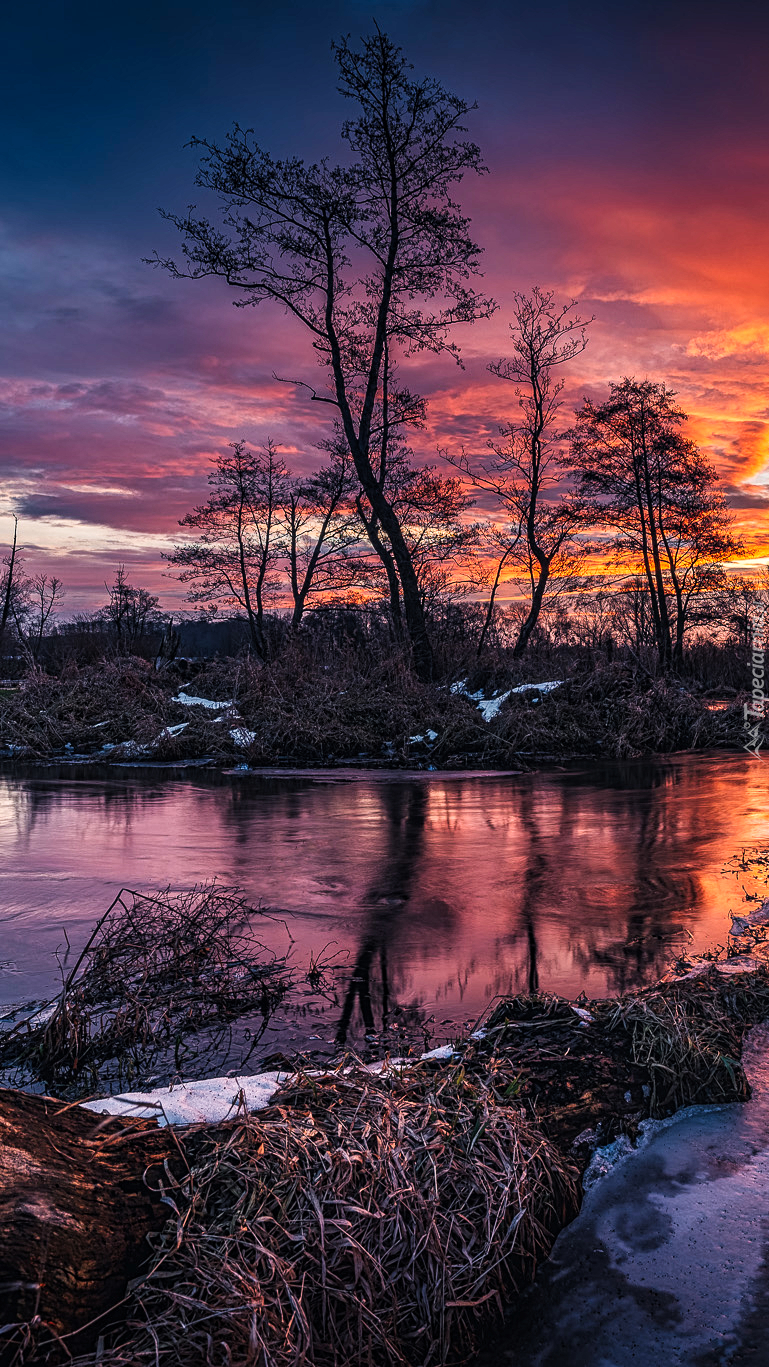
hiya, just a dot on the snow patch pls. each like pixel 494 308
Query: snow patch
pixel 243 737
pixel 193 1103
pixel 489 708
pixel 585 1016
pixel 540 687
pixel 128 749
pixel 444 1051
pixel 219 1098
pixel 18 1016
pixel 188 700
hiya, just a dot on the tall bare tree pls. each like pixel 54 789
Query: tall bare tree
pixel 431 510
pixel 639 475
pixel 370 257
pixel 524 471
pixel 9 584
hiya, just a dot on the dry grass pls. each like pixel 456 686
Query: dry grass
pixel 300 710
pixel 685 1036
pixel 385 1218
pixel 83 708
pixel 615 713
pixel 689 1042
pixel 377 1219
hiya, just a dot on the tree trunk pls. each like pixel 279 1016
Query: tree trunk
pixel 386 558
pixel 8 595
pixel 413 607
pixel 533 615
pixel 74 1214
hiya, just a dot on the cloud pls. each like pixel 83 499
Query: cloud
pixel 636 185
pixel 748 343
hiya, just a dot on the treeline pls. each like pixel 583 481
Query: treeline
pixel 627 489
pixel 597 619
pixel 30 619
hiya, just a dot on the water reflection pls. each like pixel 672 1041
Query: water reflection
pixel 431 891
pixel 386 902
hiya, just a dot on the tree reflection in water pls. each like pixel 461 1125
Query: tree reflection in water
pixel 436 891
pixel 404 814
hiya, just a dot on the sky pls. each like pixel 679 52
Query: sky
pixel 627 151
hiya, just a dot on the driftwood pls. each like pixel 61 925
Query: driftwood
pixel 75 1211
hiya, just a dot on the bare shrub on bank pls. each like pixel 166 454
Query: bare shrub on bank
pixel 156 972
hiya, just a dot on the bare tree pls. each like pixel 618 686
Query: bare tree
pixel 239 544
pixel 33 609
pixel 321 533
pixel 639 475
pixel 9 584
pixel 735 602
pixel 524 471
pixel 499 544
pixel 432 511
pixel 130 612
pixel 371 257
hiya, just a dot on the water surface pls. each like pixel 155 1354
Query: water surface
pixel 428 890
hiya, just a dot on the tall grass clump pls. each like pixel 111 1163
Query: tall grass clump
pixel 362 1218
pixel 158 974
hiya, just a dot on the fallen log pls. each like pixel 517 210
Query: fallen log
pixel 78 1197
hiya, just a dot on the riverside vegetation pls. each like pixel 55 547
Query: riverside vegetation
pixel 384 1217
pixel 324 700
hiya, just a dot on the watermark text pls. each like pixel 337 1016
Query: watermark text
pixel 755 710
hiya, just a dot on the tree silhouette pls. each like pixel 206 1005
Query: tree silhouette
pixel 639 475
pixel 523 470
pixel 238 543
pixel 373 258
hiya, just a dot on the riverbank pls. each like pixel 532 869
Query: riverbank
pixel 667 1261
pixel 235 715
pixel 388 1214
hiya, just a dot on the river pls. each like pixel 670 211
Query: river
pixel 429 892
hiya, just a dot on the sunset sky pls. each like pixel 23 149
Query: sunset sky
pixel 628 153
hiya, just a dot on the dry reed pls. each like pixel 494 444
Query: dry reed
pixel 377 1219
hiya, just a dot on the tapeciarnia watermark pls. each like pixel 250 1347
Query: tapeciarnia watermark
pixel 755 710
